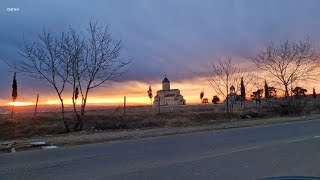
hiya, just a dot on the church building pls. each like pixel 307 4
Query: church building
pixel 168 97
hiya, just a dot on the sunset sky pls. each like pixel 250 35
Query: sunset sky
pixel 178 38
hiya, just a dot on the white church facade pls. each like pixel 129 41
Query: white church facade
pixel 167 96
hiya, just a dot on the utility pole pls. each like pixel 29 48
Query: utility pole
pixel 159 105
pixel 124 105
pixel 35 109
pixel 291 86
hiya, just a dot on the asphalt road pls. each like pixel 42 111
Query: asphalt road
pixel 245 153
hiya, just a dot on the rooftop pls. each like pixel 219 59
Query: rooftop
pixel 165 80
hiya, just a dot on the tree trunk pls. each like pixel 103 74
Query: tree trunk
pixel 79 124
pixel 82 111
pixel 63 117
pixel 228 108
pixel 83 107
pixel 286 93
pixel 84 103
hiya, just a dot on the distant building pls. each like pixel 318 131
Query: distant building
pixel 168 97
pixel 232 96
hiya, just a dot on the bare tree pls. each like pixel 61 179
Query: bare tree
pixel 102 63
pixel 288 62
pixel 250 81
pixel 42 60
pixel 93 61
pixel 73 53
pixel 84 63
pixel 223 74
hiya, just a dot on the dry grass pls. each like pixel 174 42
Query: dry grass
pixel 25 125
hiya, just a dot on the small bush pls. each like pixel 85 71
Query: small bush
pixel 315 105
pixel 292 106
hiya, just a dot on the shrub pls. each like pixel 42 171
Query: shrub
pixel 254 113
pixel 292 106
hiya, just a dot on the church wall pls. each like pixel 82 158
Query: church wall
pixel 175 99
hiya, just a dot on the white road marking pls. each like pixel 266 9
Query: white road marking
pixel 298 140
pixel 302 139
pixel 230 152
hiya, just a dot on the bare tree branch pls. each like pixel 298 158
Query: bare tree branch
pixel 42 60
pixel 101 61
pixel 223 75
pixel 289 62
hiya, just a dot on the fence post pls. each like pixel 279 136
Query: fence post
pixel 124 105
pixel 35 109
pixel 159 105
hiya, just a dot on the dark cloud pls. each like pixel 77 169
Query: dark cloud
pixel 174 37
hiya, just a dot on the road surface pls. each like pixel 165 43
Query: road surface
pixel 244 153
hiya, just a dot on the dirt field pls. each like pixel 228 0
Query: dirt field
pixel 24 124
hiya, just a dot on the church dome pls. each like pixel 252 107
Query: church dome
pixel 165 80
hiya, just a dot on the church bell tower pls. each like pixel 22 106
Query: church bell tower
pixel 165 84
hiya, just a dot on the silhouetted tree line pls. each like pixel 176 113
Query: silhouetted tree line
pixel 285 63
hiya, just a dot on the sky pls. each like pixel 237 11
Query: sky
pixel 179 38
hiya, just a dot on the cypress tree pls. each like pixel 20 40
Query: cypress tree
pixel 14 92
pixel 314 94
pixel 243 91
pixel 150 94
pixel 266 90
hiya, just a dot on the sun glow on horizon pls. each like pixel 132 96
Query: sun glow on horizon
pixel 136 93
pixel 20 103
pixel 130 100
